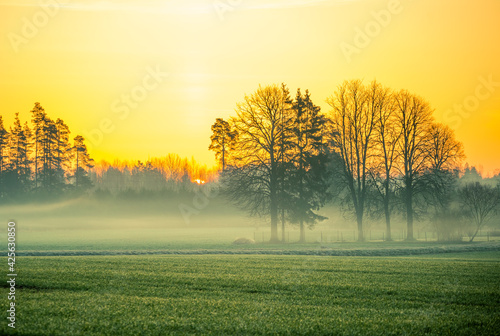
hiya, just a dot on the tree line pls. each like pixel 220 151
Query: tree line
pixel 38 160
pixel 170 174
pixel 376 151
pixel 41 159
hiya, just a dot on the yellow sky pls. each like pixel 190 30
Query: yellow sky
pixel 147 78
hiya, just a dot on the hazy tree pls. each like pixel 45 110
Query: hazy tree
pixel 439 193
pixel 479 203
pixel 414 118
pixel 254 179
pixel 223 140
pixel 470 175
pixel 62 151
pixel 440 180
pixel 353 128
pixel 308 170
pixel 83 162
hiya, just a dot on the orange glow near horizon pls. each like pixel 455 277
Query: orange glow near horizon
pixel 199 181
pixel 143 80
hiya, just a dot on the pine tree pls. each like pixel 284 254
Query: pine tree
pixel 25 164
pixel 38 117
pixel 4 140
pixel 18 182
pixel 285 161
pixel 48 146
pixel 62 152
pixel 82 163
pixel 309 187
pixel 223 140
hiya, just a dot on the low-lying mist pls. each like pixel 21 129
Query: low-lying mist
pixel 185 222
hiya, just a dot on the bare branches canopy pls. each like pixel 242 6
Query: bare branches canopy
pixel 385 142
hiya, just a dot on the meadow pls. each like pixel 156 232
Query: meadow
pixel 445 294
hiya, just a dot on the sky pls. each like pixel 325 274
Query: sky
pixel 141 79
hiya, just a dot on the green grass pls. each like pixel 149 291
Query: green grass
pixel 452 294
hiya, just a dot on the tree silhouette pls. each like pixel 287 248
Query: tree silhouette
pixel 18 169
pixel 37 159
pixel 353 129
pixel 82 162
pixel 440 179
pixel 479 202
pixel 381 101
pixel 253 181
pixel 37 119
pixel 223 140
pixel 414 118
pixel 308 185
pixel 443 150
pixel 47 146
pixel 62 149
pixel 285 160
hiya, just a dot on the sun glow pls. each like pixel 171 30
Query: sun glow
pixel 214 55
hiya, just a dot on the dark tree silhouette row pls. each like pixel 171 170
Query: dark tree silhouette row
pixel 41 159
pixel 377 149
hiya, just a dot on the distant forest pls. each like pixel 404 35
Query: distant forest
pixel 40 161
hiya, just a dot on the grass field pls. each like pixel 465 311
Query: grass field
pixel 446 294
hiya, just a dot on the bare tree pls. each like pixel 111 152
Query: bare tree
pixel 439 183
pixel 444 151
pixel 253 181
pixel 479 203
pixel 381 100
pixel 354 125
pixel 414 118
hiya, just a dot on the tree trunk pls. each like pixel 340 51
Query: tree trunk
pixel 302 232
pixel 273 202
pixel 387 218
pixel 273 193
pixel 409 213
pixel 223 154
pixel 359 219
pixel 475 234
pixel 283 225
pixel 274 222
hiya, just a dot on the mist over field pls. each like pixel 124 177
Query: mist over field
pixel 189 222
